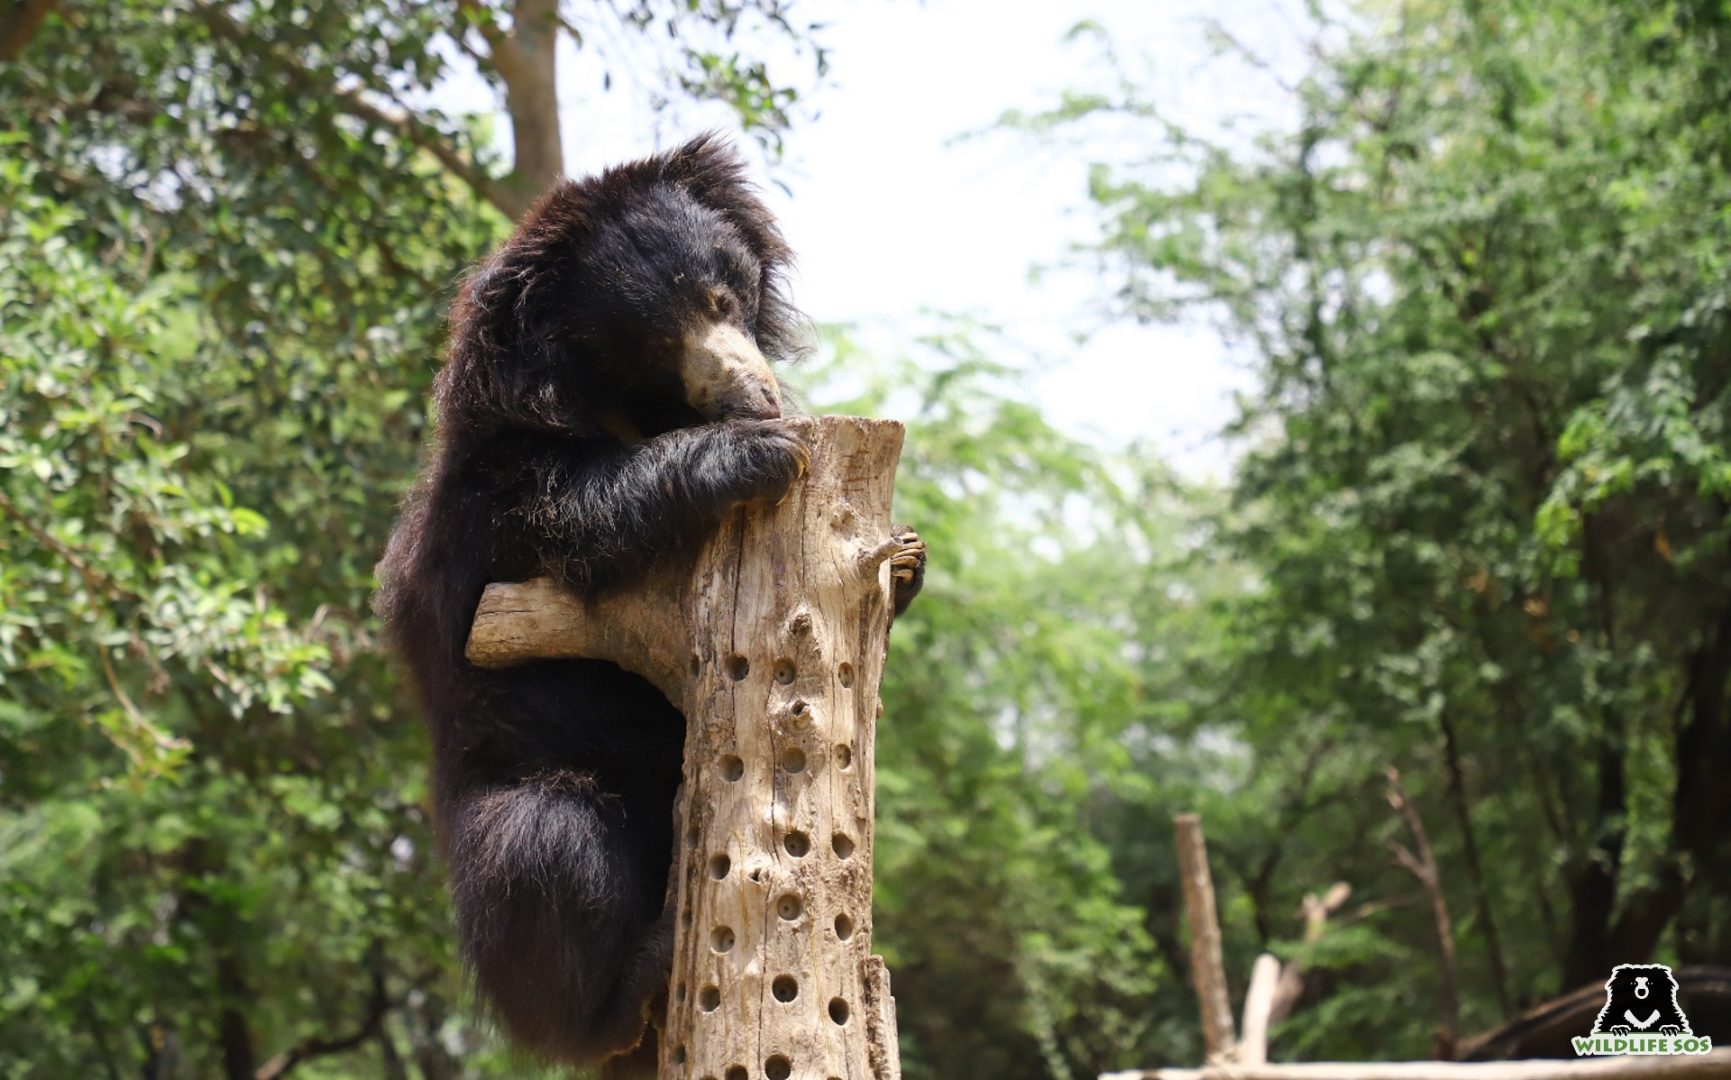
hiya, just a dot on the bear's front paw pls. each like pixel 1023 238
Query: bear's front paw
pixel 907 566
pixel 764 458
pixel 1619 1029
pixel 1670 1029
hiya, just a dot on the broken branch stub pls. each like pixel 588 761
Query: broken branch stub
pixel 772 643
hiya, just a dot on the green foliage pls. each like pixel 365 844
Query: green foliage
pixel 213 815
pixel 1479 532
pixel 1483 497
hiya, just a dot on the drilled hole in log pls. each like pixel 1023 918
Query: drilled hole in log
pixel 785 988
pixel 736 1072
pixel 710 999
pixel 789 906
pixel 784 671
pixel 843 845
pixel 798 708
pixel 719 866
pixel 838 1010
pixel 732 768
pixel 797 844
pixel 843 927
pixel 721 938
pixel 679 1055
pixel 738 667
pixel 793 759
pixel 845 673
pixel 843 756
pixel 777 1067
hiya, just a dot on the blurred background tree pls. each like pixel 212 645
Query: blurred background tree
pixel 1483 497
pixel 1477 532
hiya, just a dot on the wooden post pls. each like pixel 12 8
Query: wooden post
pixel 1207 968
pixel 773 645
pixel 1258 1006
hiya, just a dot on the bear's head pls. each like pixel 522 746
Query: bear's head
pixel 1641 998
pixel 646 298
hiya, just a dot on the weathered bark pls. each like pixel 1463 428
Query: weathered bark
pixel 773 645
pixel 1716 1064
pixel 1207 968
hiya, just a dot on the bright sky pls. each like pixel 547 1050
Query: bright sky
pixel 892 216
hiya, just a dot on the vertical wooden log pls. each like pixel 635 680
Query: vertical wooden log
pixel 1207 968
pixel 773 644
pixel 773 971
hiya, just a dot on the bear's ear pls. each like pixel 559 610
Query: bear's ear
pixel 713 173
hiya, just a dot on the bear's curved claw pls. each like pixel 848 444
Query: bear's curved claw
pixel 907 566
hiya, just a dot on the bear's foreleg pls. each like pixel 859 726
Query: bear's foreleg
pixel 600 515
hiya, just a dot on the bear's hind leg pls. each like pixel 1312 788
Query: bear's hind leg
pixel 551 906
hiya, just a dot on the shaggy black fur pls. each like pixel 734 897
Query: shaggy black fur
pixel 568 446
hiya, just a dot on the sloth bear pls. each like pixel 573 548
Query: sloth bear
pixel 606 400
pixel 1641 999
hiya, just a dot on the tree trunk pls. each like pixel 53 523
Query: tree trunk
pixel 525 59
pixel 773 644
pixel 1207 968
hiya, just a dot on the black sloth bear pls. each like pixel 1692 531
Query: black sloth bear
pixel 1641 999
pixel 606 400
